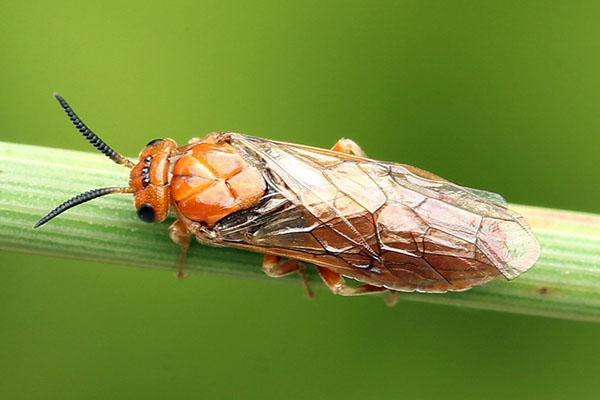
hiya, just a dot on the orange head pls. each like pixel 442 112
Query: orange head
pixel 148 180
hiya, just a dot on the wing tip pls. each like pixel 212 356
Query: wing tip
pixel 511 246
pixel 522 262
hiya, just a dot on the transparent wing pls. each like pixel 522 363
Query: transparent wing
pixel 382 223
pixel 489 196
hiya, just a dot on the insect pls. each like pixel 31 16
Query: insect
pixel 389 226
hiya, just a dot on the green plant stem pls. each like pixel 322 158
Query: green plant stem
pixel 565 283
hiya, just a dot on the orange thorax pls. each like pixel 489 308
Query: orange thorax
pixel 212 181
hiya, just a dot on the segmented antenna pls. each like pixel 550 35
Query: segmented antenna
pixel 79 199
pixel 91 136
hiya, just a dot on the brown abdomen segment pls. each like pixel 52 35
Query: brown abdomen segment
pixel 212 181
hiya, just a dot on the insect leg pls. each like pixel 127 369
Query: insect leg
pixel 182 236
pixel 273 267
pixel 392 298
pixel 202 139
pixel 348 146
pixel 337 284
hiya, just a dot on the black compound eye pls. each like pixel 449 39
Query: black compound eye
pixel 146 213
pixel 153 142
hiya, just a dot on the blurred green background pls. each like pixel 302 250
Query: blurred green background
pixel 502 96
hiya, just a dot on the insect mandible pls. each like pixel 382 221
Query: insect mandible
pixel 389 226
